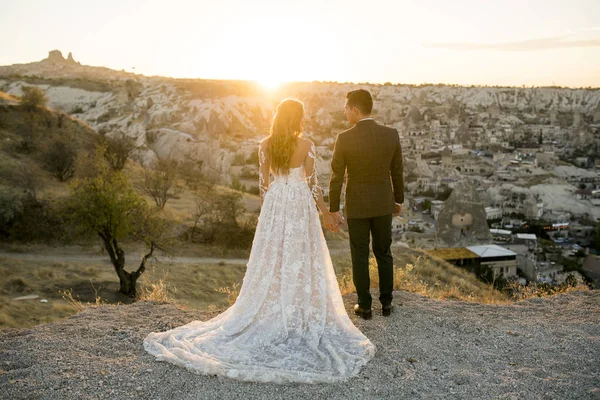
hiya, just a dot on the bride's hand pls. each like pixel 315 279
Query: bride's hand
pixel 330 222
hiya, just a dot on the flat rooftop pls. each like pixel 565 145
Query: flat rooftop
pixel 491 250
pixel 451 253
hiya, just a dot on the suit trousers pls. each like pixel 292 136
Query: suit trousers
pixel 380 228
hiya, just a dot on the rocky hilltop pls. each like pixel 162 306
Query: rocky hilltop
pixel 57 66
pixel 56 57
pixel 543 348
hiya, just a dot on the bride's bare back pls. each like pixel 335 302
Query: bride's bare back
pixel 300 153
pixel 304 155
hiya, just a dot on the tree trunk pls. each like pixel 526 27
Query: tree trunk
pixel 127 280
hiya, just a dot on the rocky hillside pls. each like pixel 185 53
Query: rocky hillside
pixel 213 121
pixel 544 348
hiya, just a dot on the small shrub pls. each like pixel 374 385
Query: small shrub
pixel 33 98
pixel 255 190
pixel 253 159
pixel 117 149
pixel 249 173
pixel 239 159
pixel 19 285
pixel 67 295
pixel 12 205
pixel 236 184
pixel 59 157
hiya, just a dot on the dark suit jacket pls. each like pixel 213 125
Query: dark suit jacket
pixel 372 157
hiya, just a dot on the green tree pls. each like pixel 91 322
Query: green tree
pixel 108 205
pixel 33 98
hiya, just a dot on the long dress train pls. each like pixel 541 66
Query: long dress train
pixel 288 323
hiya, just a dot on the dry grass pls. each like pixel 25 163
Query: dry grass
pixel 9 98
pixel 431 278
pixel 519 292
pixel 156 290
pixel 77 304
pixel 231 292
pixel 70 287
pixel 417 272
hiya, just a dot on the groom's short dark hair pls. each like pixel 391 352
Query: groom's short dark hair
pixel 360 99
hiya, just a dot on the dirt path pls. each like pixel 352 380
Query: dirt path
pixel 93 258
pixel 103 259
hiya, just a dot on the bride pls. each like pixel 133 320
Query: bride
pixel 288 323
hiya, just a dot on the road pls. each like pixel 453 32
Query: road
pixel 103 258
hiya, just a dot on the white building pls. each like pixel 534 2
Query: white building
pixel 493 213
pixel 399 224
pixel 501 260
pixel 503 235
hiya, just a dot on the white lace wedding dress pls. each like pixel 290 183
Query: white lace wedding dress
pixel 288 323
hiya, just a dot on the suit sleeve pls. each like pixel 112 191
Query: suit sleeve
pixel 396 172
pixel 338 171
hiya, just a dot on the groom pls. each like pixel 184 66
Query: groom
pixel 371 156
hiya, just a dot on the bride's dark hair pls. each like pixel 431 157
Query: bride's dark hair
pixel 285 130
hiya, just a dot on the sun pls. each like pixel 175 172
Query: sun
pixel 270 83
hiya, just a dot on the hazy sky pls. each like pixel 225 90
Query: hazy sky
pixel 491 42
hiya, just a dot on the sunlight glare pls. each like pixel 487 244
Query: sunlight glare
pixel 270 83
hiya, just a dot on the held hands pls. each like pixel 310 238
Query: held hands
pixel 332 221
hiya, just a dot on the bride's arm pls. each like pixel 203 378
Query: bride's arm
pixel 311 173
pixel 264 171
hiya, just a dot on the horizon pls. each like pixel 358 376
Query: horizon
pixel 538 44
pixel 251 81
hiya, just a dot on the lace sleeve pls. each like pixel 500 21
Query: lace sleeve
pixel 311 173
pixel 264 174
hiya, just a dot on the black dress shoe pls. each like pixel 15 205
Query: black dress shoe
pixel 386 309
pixel 364 313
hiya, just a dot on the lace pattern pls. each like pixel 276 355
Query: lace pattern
pixel 263 173
pixel 288 323
pixel 311 167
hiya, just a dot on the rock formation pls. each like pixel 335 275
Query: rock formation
pixel 462 221
pixel 56 57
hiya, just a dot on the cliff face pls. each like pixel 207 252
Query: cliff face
pixel 540 348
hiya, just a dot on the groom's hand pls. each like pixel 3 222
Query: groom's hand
pixel 338 219
pixel 398 209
